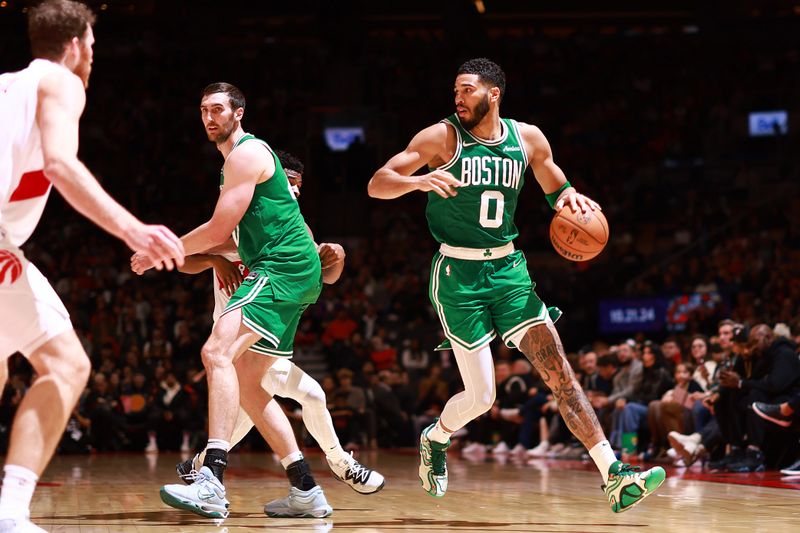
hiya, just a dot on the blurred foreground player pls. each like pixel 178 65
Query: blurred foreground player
pixel 40 108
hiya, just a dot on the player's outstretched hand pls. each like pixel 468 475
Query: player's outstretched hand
pixel 158 244
pixel 441 182
pixel 141 263
pixel 229 274
pixel 330 254
pixel 577 202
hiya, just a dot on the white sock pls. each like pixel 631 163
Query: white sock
pixel 438 434
pixel 336 454
pixel 218 444
pixel 18 486
pixel 291 458
pixel 603 456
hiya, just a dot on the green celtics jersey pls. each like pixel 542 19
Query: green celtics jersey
pixel 272 238
pixel 482 214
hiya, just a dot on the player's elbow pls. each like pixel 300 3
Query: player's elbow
pixel 376 188
pixel 58 168
pixel 372 187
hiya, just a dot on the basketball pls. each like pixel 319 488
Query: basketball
pixel 579 236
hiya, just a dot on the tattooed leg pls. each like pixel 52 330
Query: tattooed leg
pixel 542 346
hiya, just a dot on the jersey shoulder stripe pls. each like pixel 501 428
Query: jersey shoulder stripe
pixel 457 153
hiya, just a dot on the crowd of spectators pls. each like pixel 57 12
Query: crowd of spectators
pixel 672 402
pixel 690 198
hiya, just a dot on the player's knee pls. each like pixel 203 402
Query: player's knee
pixel 315 397
pixel 212 356
pixel 82 370
pixel 485 400
pixel 73 371
pixel 70 369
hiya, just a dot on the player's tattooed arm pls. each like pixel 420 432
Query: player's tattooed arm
pixel 542 346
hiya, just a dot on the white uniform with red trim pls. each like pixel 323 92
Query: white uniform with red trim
pixel 30 311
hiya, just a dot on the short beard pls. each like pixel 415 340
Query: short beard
pixel 84 68
pixel 222 136
pixel 478 113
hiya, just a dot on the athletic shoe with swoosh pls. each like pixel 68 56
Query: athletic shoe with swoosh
pixel 432 464
pixel 205 496
pixel 627 486
pixel 355 475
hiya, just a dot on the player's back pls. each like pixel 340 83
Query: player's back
pixel 481 215
pixel 23 186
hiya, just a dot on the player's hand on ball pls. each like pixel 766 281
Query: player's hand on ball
pixel 330 254
pixel 576 201
pixel 157 242
pixel 441 182
pixel 229 274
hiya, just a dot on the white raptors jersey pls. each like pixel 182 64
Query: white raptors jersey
pixel 23 186
pixel 220 298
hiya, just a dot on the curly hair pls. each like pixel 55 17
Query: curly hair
pixel 290 162
pixel 487 71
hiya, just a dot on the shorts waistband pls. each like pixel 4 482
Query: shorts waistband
pixel 476 254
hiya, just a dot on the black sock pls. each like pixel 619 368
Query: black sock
pixel 299 474
pixel 216 459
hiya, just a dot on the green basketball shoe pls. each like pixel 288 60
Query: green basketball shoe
pixel 627 487
pixel 432 464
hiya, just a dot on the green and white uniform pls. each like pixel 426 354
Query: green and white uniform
pixel 285 274
pixel 479 284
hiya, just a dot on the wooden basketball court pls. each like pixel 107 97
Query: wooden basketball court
pixel 119 493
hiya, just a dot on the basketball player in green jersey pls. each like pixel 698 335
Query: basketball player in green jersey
pixel 306 499
pixel 480 286
pixel 256 206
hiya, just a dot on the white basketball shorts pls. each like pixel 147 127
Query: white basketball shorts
pixel 31 313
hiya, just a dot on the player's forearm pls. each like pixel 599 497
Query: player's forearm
pixel 82 191
pixel 226 247
pixel 203 238
pixel 194 264
pixel 387 184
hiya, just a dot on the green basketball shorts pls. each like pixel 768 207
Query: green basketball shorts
pixel 275 320
pixel 476 300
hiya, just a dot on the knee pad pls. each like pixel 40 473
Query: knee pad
pixel 314 395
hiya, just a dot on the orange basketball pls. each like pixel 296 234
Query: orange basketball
pixel 579 236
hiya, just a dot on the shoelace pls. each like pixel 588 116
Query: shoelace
pixel 356 471
pixel 193 476
pixel 438 461
pixel 626 470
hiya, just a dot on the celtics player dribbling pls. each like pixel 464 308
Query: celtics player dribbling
pixel 480 286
